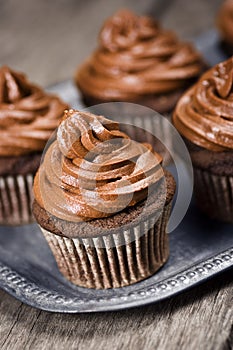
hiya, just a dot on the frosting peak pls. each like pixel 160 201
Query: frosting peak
pixel 223 78
pixel 28 115
pixel 94 170
pixel 124 29
pixel 13 86
pixel 204 114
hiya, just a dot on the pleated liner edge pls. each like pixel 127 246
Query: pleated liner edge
pixel 16 199
pixel 115 260
pixel 214 194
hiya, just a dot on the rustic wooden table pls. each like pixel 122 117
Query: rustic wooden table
pixel 48 40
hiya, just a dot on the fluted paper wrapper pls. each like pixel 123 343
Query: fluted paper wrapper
pixel 16 199
pixel 214 194
pixel 115 260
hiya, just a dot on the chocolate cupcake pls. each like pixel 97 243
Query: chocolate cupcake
pixel 204 116
pixel 103 202
pixel 225 25
pixel 28 116
pixel 137 61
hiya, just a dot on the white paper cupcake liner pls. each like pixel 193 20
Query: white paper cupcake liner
pixel 115 260
pixel 214 194
pixel 16 199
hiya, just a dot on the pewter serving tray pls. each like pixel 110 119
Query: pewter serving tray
pixel 199 249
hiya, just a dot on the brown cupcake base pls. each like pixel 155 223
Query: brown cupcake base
pixel 226 47
pixel 163 103
pixel 20 165
pixel 86 264
pixel 214 194
pixel 213 182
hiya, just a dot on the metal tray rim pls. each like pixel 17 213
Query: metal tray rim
pixel 17 286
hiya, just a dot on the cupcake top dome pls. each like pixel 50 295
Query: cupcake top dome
pixel 136 57
pixel 204 114
pixel 28 115
pixel 94 170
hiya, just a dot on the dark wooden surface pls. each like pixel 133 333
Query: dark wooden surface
pixel 48 39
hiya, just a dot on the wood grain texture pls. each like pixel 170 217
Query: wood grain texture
pixel 197 319
pixel 48 39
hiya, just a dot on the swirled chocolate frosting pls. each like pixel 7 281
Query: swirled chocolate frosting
pixel 28 115
pixel 94 170
pixel 204 114
pixel 225 21
pixel 137 58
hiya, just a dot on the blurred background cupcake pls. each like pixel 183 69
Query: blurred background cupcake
pixel 138 61
pixel 28 116
pixel 204 116
pixel 225 25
